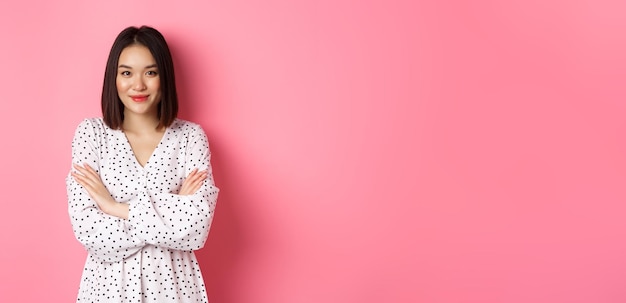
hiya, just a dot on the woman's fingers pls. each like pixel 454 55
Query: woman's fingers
pixel 198 178
pixel 79 178
pixel 195 176
pixel 85 183
pixel 79 168
pixel 86 170
pixel 87 174
pixel 82 176
pixel 193 182
pixel 197 182
pixel 91 171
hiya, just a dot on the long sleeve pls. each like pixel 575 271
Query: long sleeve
pixel 105 237
pixel 176 221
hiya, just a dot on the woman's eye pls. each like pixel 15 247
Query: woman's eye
pixel 125 73
pixel 151 73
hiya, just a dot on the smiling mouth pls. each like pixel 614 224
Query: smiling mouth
pixel 140 98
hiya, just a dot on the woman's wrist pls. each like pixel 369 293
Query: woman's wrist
pixel 116 209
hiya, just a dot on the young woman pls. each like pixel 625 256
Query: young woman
pixel 141 192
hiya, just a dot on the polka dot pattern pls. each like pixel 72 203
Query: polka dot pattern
pixel 149 257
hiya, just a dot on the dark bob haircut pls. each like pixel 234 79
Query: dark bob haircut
pixel 112 106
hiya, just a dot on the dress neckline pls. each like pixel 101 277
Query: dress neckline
pixel 154 152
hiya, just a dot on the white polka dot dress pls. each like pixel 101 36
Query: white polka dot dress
pixel 149 257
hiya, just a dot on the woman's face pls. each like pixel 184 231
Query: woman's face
pixel 137 81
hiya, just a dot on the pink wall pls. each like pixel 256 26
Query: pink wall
pixel 367 151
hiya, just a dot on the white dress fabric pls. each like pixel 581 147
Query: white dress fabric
pixel 148 257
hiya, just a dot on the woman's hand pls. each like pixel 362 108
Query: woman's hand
pixel 90 180
pixel 193 182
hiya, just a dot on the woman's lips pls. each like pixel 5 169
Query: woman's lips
pixel 139 98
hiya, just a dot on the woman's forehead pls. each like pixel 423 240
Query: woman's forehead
pixel 136 56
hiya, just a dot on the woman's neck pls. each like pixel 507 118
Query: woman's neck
pixel 140 123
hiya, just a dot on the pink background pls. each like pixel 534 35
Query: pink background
pixel 367 151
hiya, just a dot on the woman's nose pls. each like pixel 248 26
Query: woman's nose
pixel 139 84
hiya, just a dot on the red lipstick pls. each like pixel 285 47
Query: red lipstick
pixel 139 98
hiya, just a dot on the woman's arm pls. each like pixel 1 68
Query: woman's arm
pixel 106 237
pixel 90 180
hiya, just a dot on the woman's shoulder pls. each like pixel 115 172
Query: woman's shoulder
pixel 185 126
pixel 96 125
pixel 93 130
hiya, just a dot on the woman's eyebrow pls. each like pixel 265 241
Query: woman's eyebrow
pixel 126 66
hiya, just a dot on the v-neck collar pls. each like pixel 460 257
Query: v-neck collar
pixel 154 152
